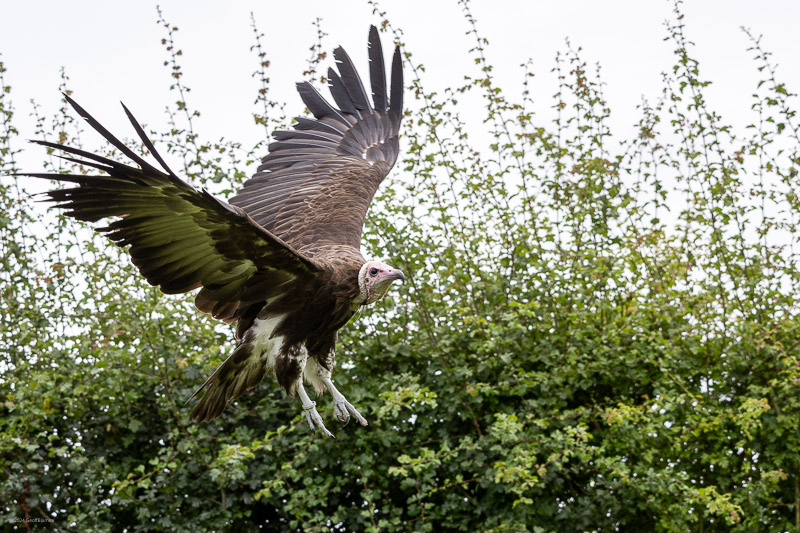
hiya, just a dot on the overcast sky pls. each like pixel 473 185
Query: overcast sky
pixel 112 51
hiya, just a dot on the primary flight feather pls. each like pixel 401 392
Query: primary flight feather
pixel 282 258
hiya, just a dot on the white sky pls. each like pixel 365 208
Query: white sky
pixel 112 52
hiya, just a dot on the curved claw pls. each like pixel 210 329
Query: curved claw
pixel 312 416
pixel 343 409
pixel 341 413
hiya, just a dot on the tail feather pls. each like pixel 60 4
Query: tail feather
pixel 242 370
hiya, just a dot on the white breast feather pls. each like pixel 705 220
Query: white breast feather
pixel 264 344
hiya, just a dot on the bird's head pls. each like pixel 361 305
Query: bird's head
pixel 374 280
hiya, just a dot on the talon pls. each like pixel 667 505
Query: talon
pixel 315 420
pixel 344 409
pixel 361 420
pixel 341 407
pixel 340 410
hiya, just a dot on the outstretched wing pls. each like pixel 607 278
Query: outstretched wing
pixel 180 238
pixel 316 184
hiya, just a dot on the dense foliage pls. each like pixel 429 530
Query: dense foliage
pixel 596 335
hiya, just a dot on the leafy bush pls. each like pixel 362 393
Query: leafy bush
pixel 596 335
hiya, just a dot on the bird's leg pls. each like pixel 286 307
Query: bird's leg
pixel 341 407
pixel 310 408
pixel 320 377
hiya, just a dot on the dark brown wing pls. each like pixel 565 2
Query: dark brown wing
pixel 180 238
pixel 317 182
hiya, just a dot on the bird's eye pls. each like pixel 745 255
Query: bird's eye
pixel 373 272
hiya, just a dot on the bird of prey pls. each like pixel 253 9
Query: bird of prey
pixel 281 258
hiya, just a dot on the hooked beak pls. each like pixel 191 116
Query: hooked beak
pixel 383 283
pixel 396 275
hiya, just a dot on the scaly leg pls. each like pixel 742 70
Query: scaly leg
pixel 341 406
pixel 310 408
pixel 320 377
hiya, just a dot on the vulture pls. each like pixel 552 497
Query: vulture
pixel 281 258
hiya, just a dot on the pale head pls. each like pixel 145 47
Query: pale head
pixel 374 280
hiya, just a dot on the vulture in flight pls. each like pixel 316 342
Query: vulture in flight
pixel 281 258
